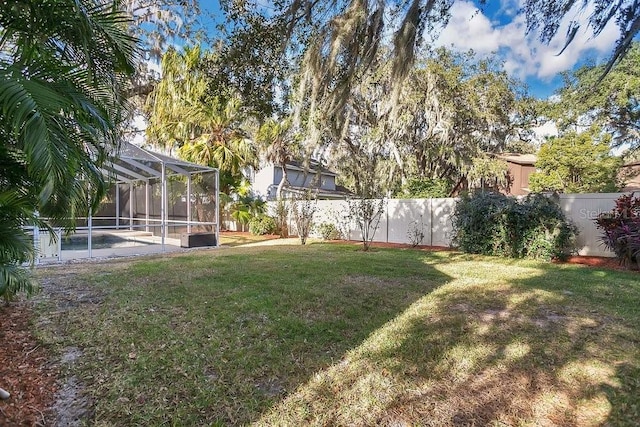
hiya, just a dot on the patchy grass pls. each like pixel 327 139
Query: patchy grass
pixel 329 335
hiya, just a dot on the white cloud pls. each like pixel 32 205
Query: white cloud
pixel 154 66
pixel 524 55
pixel 469 29
pixel 547 129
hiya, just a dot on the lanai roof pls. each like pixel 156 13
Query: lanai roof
pixel 133 163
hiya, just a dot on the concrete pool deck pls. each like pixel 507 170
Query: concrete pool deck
pixel 106 253
pixel 131 244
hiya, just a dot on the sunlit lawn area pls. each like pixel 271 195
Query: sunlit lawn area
pixel 330 335
pixel 231 239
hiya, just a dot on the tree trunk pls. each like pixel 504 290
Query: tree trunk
pixel 283 182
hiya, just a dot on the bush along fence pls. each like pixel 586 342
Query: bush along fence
pixel 430 222
pixel 528 227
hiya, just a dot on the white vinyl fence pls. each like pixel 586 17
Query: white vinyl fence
pixel 433 217
pixel 582 210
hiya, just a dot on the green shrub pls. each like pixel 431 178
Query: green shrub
pixel 262 224
pixel 494 224
pixel 419 188
pixel 280 216
pixel 303 208
pixel 328 231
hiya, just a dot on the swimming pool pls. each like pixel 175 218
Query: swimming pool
pixel 103 241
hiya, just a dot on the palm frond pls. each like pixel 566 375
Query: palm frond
pixel 13 279
pixel 63 65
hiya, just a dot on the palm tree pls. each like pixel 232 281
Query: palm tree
pixel 63 64
pixel 204 129
pixel 16 246
pixel 183 85
pixel 280 145
pixel 222 141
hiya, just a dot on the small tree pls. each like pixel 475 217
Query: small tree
pixel 415 233
pixel 576 163
pixel 281 214
pixel 366 213
pixel 303 210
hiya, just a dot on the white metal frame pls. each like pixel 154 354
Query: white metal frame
pixel 133 164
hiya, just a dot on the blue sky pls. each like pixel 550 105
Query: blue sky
pixel 497 27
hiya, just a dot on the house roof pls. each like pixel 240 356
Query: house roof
pixel 314 166
pixel 339 193
pixel 519 159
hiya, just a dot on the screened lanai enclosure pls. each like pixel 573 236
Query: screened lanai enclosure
pixel 156 204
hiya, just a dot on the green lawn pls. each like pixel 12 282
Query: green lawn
pixel 330 335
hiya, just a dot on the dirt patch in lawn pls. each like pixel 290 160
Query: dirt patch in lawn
pixel 31 372
pixel 62 291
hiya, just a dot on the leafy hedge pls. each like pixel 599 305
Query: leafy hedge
pixel 417 188
pixel 328 231
pixel 494 224
pixel 262 224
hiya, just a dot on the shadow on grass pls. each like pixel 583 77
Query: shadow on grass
pixel 220 338
pixel 521 343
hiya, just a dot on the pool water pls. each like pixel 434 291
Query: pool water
pixel 78 243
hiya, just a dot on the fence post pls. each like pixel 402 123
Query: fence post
pixel 36 241
pixel 431 221
pixel 117 206
pixel 89 233
pixel 146 205
pixel 131 198
pixel 386 210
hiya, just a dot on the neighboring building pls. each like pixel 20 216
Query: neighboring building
pixel 520 167
pixel 301 178
pixel 631 176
